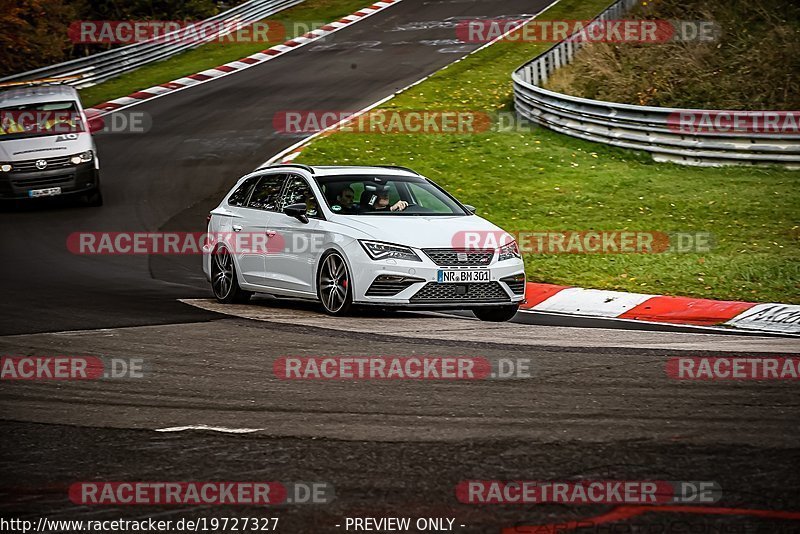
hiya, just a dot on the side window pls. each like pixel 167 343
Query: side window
pixel 267 192
pixel 298 191
pixel 239 197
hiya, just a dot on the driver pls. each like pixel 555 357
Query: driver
pixel 382 203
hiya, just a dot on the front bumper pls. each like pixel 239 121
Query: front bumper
pixel 414 283
pixel 74 179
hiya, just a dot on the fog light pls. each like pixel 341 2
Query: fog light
pixel 75 160
pixel 5 167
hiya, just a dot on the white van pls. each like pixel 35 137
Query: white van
pixel 46 146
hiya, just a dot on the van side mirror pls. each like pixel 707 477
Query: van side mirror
pixel 470 209
pixel 298 211
pixel 96 124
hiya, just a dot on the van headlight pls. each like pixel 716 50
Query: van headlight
pixel 384 251
pixel 83 157
pixel 508 251
pixel 6 167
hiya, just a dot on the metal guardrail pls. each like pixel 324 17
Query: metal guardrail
pixel 644 128
pixel 99 67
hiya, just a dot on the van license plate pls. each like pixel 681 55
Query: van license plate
pixel 49 192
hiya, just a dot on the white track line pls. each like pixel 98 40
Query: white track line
pixel 222 429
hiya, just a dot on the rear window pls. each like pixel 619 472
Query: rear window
pixel 239 197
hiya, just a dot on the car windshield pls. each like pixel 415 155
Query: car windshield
pixel 39 120
pixel 365 194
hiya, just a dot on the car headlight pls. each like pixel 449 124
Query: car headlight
pixel 83 157
pixel 384 251
pixel 5 167
pixel 508 251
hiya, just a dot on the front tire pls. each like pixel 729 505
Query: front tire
pixel 496 314
pixel 224 282
pixel 334 288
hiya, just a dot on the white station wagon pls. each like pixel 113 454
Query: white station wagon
pixel 366 236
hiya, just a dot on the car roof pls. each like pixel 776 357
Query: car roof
pixel 19 96
pixel 344 170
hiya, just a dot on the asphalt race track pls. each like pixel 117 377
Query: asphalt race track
pixel 201 141
pixel 597 403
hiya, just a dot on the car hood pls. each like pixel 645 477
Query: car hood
pixel 415 231
pixel 43 147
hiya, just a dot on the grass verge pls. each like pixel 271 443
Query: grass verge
pixel 215 54
pixel 543 181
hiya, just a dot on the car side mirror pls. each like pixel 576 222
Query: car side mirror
pixel 470 209
pixel 298 211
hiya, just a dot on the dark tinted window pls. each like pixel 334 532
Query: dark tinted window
pixel 239 197
pixel 299 192
pixel 267 192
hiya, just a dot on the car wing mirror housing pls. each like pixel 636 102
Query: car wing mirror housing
pixel 470 209
pixel 298 211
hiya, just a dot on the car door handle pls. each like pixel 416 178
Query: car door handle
pixel 271 233
pixel 237 228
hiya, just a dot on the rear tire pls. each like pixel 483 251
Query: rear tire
pixel 496 314
pixel 224 281
pixel 334 287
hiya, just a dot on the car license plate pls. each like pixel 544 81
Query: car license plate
pixel 453 276
pixel 49 192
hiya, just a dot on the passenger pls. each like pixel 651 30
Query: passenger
pixel 346 200
pixel 382 202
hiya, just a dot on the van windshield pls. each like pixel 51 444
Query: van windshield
pixel 40 119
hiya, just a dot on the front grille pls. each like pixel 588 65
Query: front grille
pixel 454 257
pixel 41 183
pixel 52 163
pixel 435 292
pixel 389 285
pixel 515 283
